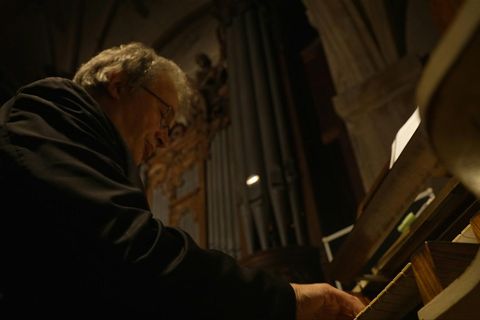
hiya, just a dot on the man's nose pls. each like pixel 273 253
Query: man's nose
pixel 162 138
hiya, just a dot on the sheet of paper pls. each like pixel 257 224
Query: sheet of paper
pixel 404 135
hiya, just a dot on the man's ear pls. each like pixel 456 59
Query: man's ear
pixel 116 84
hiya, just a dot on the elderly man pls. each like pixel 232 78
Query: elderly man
pixel 77 235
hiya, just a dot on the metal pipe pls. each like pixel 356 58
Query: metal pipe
pixel 233 194
pixel 221 195
pixel 238 150
pixel 268 131
pixel 289 167
pixel 218 198
pixel 227 193
pixel 254 162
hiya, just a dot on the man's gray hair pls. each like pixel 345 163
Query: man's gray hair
pixel 140 64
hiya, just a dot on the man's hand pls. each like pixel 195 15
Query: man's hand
pixel 323 302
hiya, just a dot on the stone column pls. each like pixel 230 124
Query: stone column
pixel 374 88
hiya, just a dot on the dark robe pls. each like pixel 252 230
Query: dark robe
pixel 77 237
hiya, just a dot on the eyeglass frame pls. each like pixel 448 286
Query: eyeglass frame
pixel 164 115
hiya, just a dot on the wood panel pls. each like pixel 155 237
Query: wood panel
pixel 439 263
pixel 406 179
pixel 443 219
pixel 398 298
pixel 459 300
pixel 475 222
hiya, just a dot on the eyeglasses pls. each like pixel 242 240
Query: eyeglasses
pixel 163 122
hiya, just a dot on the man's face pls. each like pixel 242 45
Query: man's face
pixel 142 115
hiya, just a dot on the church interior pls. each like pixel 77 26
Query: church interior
pixel 326 140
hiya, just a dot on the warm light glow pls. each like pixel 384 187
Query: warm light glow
pixel 254 178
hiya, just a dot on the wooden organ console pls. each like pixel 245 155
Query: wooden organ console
pixel 430 270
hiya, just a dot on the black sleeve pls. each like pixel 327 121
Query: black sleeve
pixel 91 223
